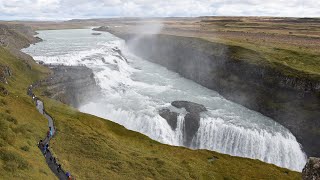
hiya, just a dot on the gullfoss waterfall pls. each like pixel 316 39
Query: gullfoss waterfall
pixel 134 90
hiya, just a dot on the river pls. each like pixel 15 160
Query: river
pixel 134 90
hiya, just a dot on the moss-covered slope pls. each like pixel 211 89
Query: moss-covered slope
pixel 21 126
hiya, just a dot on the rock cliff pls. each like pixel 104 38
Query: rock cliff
pixel 191 118
pixel 290 97
pixel 71 85
pixel 312 169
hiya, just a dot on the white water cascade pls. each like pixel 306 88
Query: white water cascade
pixel 135 91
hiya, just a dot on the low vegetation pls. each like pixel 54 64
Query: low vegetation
pixel 21 126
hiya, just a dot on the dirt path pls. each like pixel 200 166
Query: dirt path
pixel 50 159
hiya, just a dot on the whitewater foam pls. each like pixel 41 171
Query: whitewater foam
pixel 134 92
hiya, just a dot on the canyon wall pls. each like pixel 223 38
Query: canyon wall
pixel 290 97
pixel 71 85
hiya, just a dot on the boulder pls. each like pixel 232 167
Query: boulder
pixel 189 106
pixel 311 171
pixel 191 119
pixel 171 117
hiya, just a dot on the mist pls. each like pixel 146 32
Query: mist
pixel 133 91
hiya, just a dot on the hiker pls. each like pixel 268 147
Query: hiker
pixel 47 147
pixel 40 143
pixel 54 160
pixel 50 129
pixel 59 168
pixel 48 134
pixel 68 175
pixel 44 151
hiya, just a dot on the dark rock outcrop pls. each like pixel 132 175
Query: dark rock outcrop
pixel 96 34
pixel 171 117
pixel 71 85
pixel 191 119
pixel 290 97
pixel 102 28
pixel 311 171
pixel 4 73
pixel 17 36
pixel 190 107
pixel 120 55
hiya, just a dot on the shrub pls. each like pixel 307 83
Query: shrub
pixel 8 118
pixel 13 161
pixel 25 148
pixel 3 102
pixel 12 119
pixel 20 129
pixel 4 127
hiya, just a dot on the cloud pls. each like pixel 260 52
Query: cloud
pixel 69 9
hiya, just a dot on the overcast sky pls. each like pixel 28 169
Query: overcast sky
pixel 70 9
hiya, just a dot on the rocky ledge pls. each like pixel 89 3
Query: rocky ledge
pixel 191 119
pixel 312 169
pixel 71 85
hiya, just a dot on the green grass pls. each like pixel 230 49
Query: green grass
pixel 93 148
pixel 290 61
pixel 21 126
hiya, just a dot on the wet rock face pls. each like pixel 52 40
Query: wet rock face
pixel 191 119
pixel 71 85
pixel 171 117
pixel 292 101
pixel 191 107
pixel 312 169
pixel 119 54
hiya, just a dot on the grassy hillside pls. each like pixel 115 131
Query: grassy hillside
pixel 93 148
pixel 21 126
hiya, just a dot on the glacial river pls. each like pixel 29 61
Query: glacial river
pixel 134 92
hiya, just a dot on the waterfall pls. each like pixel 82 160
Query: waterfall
pixel 277 148
pixel 135 91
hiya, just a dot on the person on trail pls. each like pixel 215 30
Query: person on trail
pixel 69 176
pixel 45 151
pixel 47 147
pixel 59 168
pixel 50 129
pixel 48 134
pixel 39 143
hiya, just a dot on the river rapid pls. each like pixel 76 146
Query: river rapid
pixel 134 90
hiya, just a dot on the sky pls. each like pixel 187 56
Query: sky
pixel 85 9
